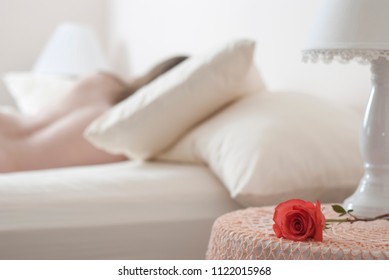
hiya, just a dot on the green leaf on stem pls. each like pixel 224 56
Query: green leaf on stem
pixel 338 209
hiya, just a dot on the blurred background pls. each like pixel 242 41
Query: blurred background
pixel 135 34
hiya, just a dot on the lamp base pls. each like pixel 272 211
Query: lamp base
pixel 371 199
pixel 372 196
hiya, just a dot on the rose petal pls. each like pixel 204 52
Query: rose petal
pixel 277 230
pixel 310 217
pixel 320 222
pixel 285 207
pixel 289 230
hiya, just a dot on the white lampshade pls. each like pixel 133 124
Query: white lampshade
pixel 72 50
pixel 358 25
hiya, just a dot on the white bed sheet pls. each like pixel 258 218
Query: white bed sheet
pixel 127 210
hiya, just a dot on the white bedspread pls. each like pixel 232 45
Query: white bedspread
pixel 124 210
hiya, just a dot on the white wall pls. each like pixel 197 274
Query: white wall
pixel 145 31
pixel 25 27
pixel 138 33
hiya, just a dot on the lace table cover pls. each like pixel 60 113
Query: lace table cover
pixel 248 234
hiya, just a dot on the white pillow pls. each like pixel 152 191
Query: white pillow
pixel 150 121
pixel 271 147
pixel 32 92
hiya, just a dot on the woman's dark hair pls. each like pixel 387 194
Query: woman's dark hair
pixel 162 67
pixel 158 70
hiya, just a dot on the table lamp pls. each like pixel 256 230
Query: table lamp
pixel 72 50
pixel 359 30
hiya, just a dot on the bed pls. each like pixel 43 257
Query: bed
pixel 128 210
pixel 206 138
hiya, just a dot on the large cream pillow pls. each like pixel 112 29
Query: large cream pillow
pixel 271 147
pixel 33 92
pixel 150 121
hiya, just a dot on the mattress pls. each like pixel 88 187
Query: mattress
pixel 127 210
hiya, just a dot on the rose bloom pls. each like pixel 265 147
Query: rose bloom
pixel 299 220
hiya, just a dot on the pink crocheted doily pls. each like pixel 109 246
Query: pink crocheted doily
pixel 248 234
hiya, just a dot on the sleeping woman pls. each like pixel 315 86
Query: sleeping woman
pixel 54 138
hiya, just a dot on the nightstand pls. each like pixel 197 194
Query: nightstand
pixel 248 234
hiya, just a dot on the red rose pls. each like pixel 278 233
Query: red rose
pixel 299 220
